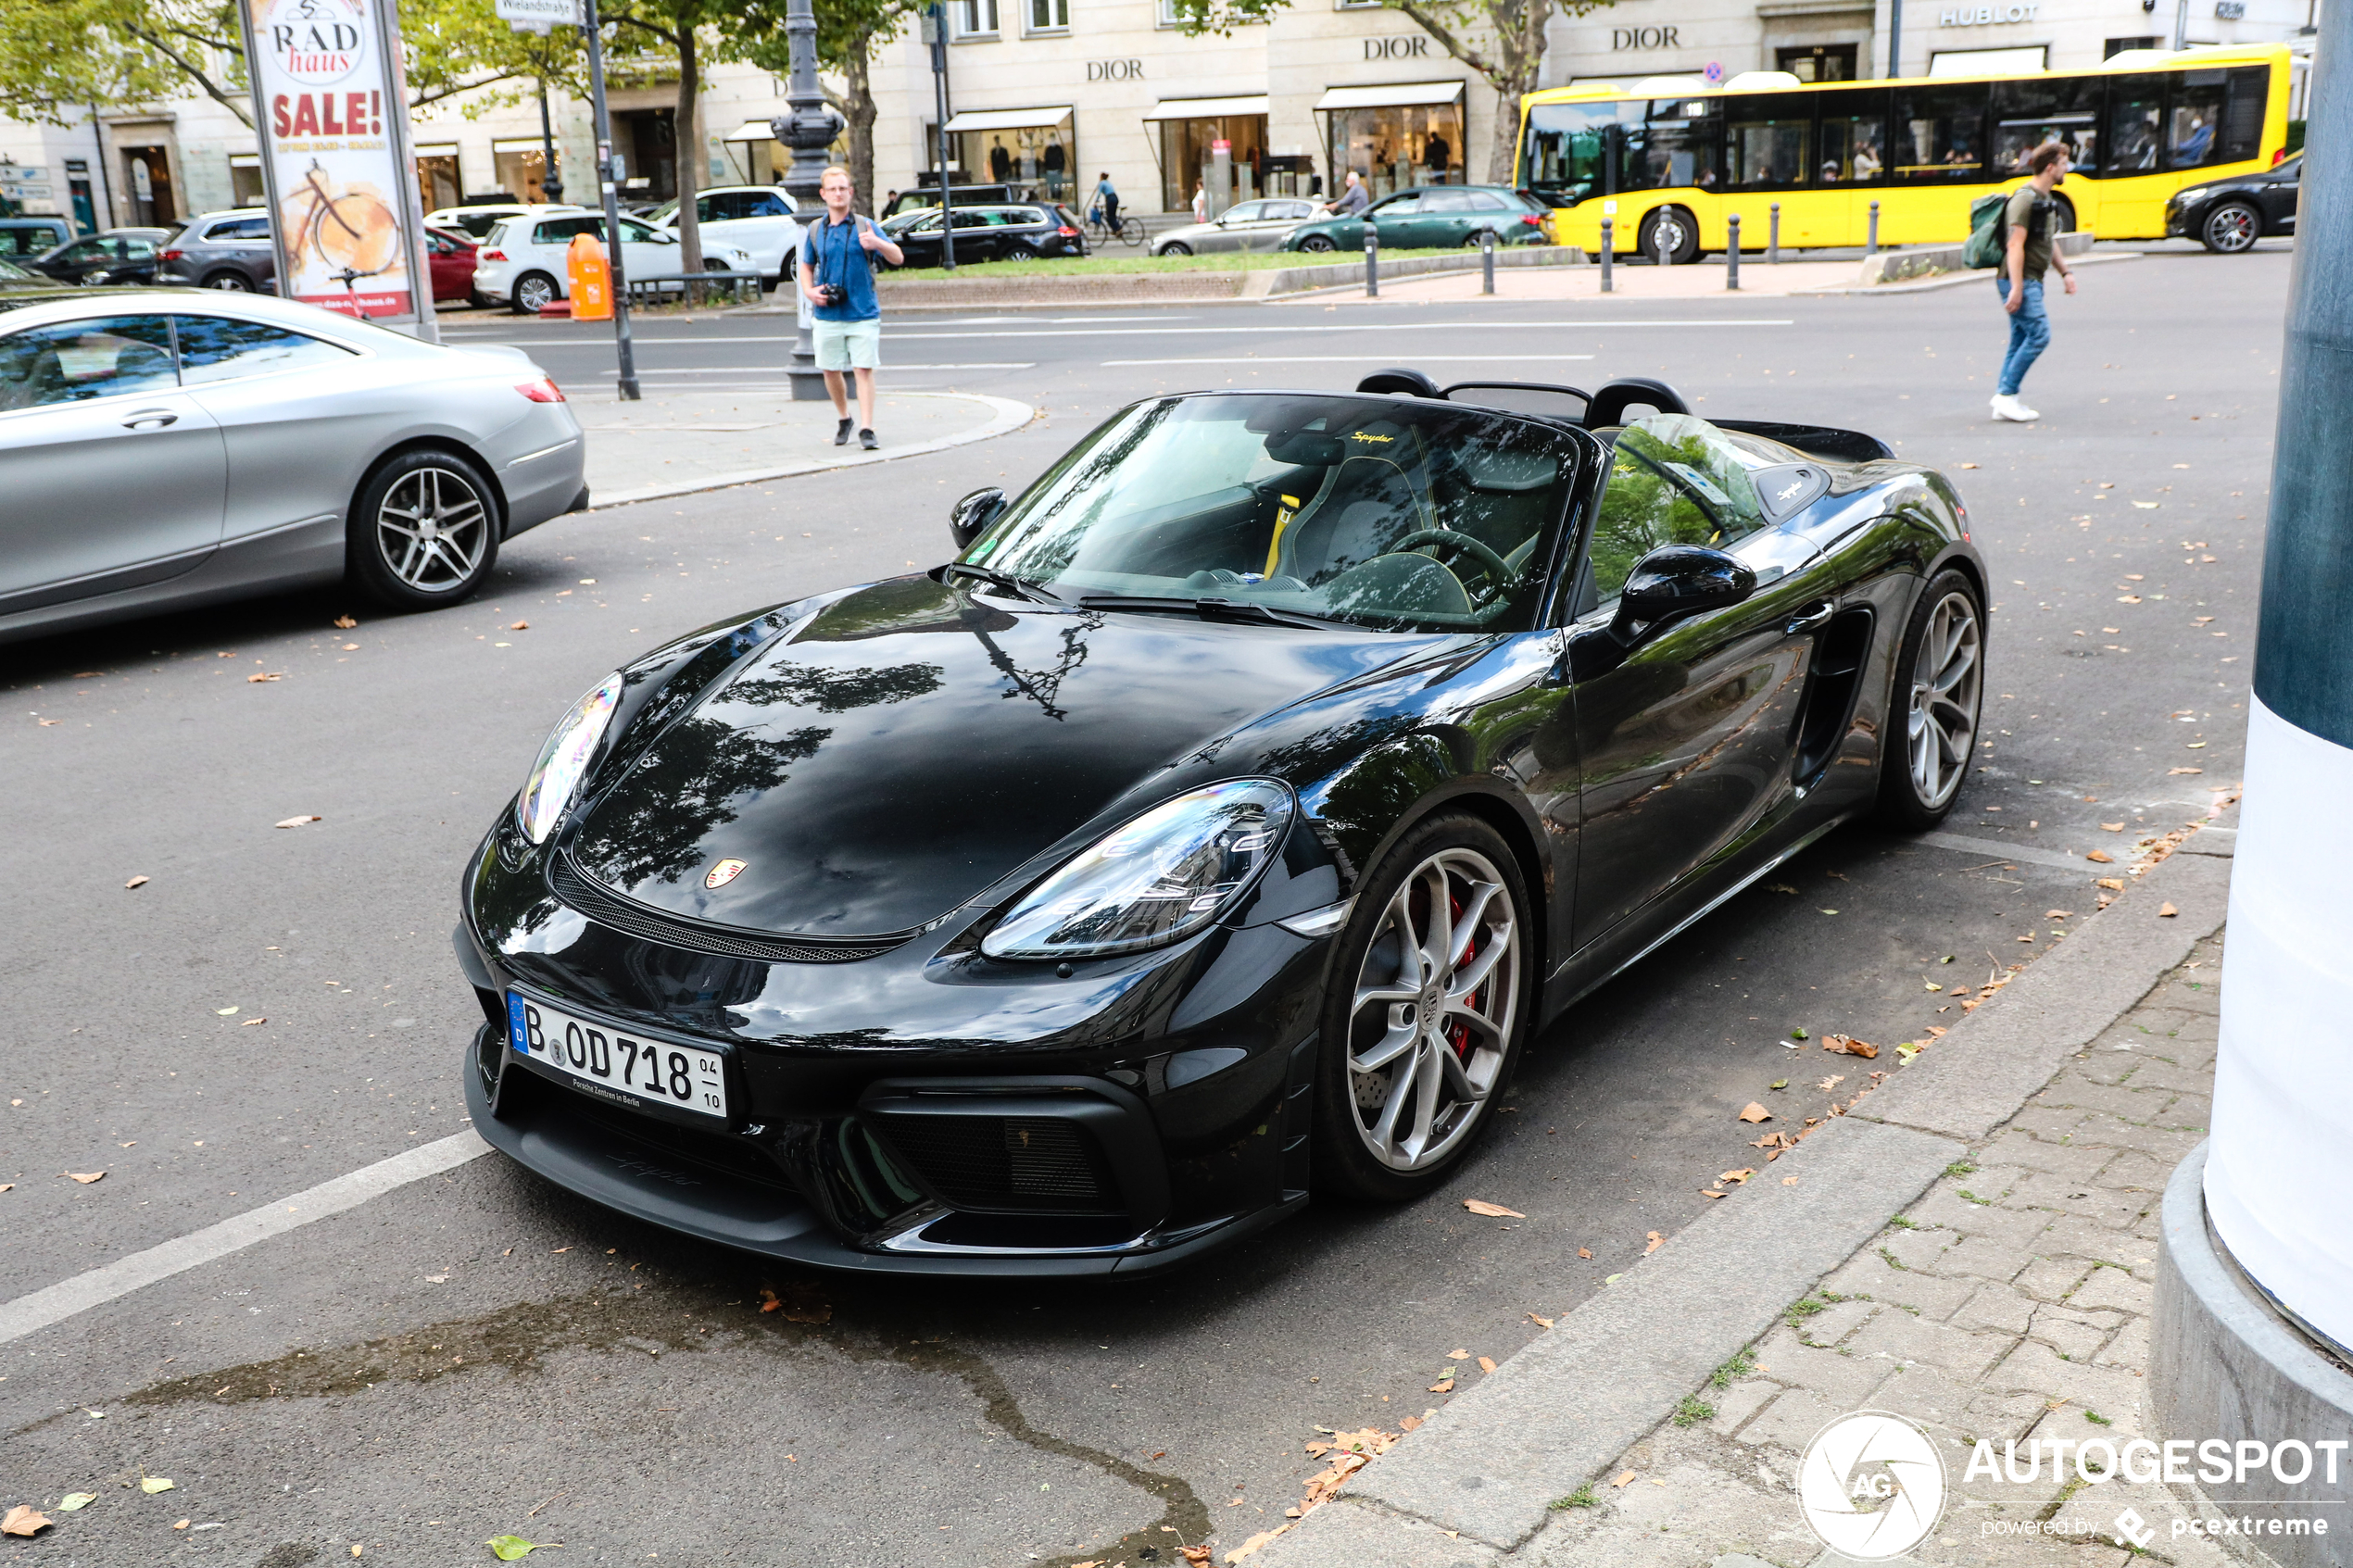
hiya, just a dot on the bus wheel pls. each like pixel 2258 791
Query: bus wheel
pixel 1670 228
pixel 2064 217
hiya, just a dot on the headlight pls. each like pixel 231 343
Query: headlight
pixel 1164 876
pixel 564 761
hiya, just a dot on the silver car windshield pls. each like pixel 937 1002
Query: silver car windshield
pixel 1395 514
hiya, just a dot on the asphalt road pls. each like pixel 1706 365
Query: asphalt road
pixel 476 1353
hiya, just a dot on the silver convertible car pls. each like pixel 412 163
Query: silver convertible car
pixel 168 448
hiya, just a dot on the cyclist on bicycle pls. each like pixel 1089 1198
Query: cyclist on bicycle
pixel 1107 202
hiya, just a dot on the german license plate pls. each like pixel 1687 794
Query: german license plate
pixel 616 1065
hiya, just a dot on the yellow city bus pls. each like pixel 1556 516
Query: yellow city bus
pixel 1668 158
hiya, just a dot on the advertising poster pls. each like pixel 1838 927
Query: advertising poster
pixel 329 97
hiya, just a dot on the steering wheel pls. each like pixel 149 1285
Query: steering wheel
pixel 1493 565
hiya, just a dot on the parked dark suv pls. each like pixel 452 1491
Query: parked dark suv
pixel 223 250
pixel 1017 232
pixel 117 256
pixel 21 239
pixel 2229 216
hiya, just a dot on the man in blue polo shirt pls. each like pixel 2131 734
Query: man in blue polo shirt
pixel 837 274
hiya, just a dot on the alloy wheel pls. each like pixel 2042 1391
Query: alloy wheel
pixel 2231 227
pixel 1437 998
pixel 1942 725
pixel 535 294
pixel 228 282
pixel 432 529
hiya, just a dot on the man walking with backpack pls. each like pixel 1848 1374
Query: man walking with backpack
pixel 2028 220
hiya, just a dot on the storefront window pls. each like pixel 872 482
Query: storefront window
pixel 436 177
pixel 1817 62
pixel 522 170
pixel 1039 161
pixel 1188 152
pixel 1398 147
pixel 244 180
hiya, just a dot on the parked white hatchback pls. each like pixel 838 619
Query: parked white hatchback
pixel 521 263
pixel 754 217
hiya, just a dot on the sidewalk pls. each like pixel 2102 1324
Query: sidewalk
pixel 675 442
pixel 1970 1246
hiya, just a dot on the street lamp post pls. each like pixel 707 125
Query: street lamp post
pixel 936 34
pixel 602 120
pixel 808 131
pixel 552 184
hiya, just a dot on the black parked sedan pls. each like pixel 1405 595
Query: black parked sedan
pixel 1019 231
pixel 1218 827
pixel 111 255
pixel 2231 215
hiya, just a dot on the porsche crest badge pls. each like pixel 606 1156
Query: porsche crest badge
pixel 722 873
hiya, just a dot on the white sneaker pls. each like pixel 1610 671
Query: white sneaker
pixel 2010 408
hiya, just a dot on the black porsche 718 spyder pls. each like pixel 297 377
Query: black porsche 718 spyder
pixel 1218 826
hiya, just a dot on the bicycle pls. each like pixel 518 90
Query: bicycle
pixel 1126 231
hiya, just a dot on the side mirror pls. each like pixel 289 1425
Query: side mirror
pixel 1675 580
pixel 970 517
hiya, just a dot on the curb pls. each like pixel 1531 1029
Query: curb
pixel 1006 416
pixel 1952 280
pixel 1470 1486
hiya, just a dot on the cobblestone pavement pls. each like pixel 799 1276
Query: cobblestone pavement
pixel 2011 1302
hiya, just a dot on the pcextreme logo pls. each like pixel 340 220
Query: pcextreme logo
pixel 1871 1485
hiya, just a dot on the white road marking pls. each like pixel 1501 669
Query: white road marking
pixel 1265 329
pixel 1969 844
pixel 760 369
pixel 1351 358
pixel 55 1303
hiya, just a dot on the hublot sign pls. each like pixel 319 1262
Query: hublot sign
pixel 1988 16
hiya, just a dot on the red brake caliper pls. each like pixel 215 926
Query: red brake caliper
pixel 1458 1035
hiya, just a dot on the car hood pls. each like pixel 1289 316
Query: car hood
pixel 913 744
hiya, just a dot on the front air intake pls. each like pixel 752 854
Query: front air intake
pixel 1026 1163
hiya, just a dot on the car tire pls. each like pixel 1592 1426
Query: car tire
pixel 228 281
pixel 2062 216
pixel 2231 229
pixel 479 300
pixel 1020 252
pixel 1174 247
pixel 532 291
pixel 405 560
pixel 1934 705
pixel 1318 242
pixel 1459 1045
pixel 1680 230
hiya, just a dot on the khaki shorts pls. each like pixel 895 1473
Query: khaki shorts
pixel 846 346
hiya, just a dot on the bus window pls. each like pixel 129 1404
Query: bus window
pixel 1940 135
pixel 2243 131
pixel 1562 162
pixel 1769 140
pixel 2192 129
pixel 2135 118
pixel 1675 148
pixel 1853 150
pixel 2028 111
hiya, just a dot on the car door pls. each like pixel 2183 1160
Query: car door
pixel 1282 217
pixel 1232 228
pixel 1686 740
pixel 646 250
pixel 114 473
pixel 293 411
pixel 1445 219
pixel 1394 219
pixel 2279 197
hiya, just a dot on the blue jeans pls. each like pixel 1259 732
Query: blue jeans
pixel 2030 335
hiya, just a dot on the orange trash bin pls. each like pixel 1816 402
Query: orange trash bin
pixel 591 279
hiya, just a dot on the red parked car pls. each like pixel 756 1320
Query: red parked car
pixel 451 254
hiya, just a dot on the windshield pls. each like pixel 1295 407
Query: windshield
pixel 1376 510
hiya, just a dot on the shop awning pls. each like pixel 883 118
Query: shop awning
pixel 1009 119
pixel 1209 108
pixel 752 130
pixel 1396 96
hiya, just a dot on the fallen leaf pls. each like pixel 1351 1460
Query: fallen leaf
pixel 1541 1322
pixel 1410 1423
pixel 1487 1363
pixel 1445 1386
pixel 151 1485
pixel 298 822
pixel 224 1012
pixel 1851 1046
pixel 1799 1035
pixel 344 622
pixel 2147 506
pixel 1755 1112
pixel 86 1177
pixel 1584 1252
pixel 1778 1084
pixel 2111 827
pixel 2102 856
pixel 1968 465
pixel 1736 1177
pixel 1711 1192
pixel 520 626
pixel 1658 1241
pixel 257 680
pixel 1491 1211
pixel 1623 1479
pixel 800 1303
pixel 1789 1181
pixel 24 1520
pixel 183 1523
pixel 249 1022
pixel 510 1548
pixel 1780 887
pixel 1458 1355
pixel 136 881
pixel 2167 911
pixel 74 1502
pixel 1933 985
pixel 1196 1555
pixel 2115 883
pixel 1249 1547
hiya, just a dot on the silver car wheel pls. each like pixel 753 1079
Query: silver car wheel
pixel 1437 998
pixel 2231 227
pixel 228 282
pixel 1942 727
pixel 432 529
pixel 535 294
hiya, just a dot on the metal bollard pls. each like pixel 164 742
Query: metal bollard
pixel 1609 249
pixel 1665 255
pixel 1487 260
pixel 1372 261
pixel 1773 238
pixel 1871 245
pixel 1732 252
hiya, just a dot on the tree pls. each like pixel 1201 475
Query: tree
pixel 56 55
pixel 1501 40
pixel 847 34
pixel 677 24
